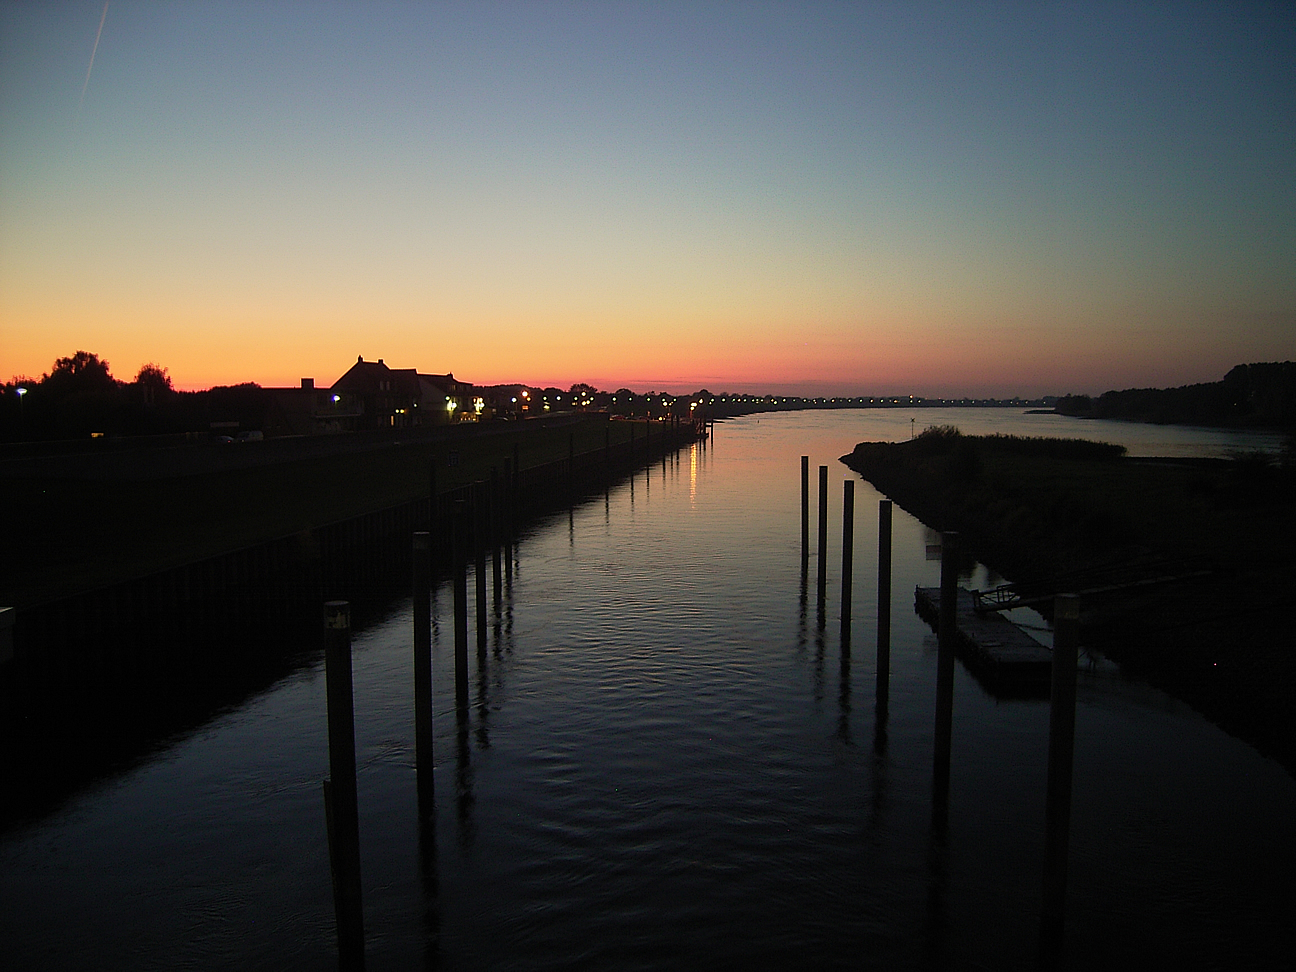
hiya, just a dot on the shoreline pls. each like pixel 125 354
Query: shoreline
pixel 1045 519
pixel 133 514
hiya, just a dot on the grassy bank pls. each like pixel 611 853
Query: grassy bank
pixel 74 533
pixel 1061 514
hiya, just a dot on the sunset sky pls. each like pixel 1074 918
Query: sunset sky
pixel 824 198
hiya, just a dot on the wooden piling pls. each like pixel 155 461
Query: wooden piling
pixel 884 604
pixel 507 517
pixel 341 805
pixel 423 743
pixel 805 507
pixel 823 531
pixel 848 558
pixel 1057 813
pixel 479 563
pixel 495 535
pixel 946 633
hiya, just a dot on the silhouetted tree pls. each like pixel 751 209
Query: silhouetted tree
pixel 152 386
pixel 83 371
pixel 78 396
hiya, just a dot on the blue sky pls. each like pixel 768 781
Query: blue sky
pixel 832 198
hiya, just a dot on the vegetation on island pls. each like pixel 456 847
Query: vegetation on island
pixel 1056 515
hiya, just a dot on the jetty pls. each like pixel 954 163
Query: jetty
pixel 994 649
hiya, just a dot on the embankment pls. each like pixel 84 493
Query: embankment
pixel 96 517
pixel 1059 515
pixel 149 601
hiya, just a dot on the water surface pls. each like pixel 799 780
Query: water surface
pixel 668 760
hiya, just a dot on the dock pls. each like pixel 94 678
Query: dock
pixel 992 647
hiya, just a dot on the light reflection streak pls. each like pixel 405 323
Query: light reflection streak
pixel 693 474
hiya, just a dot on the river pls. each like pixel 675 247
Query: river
pixel 668 761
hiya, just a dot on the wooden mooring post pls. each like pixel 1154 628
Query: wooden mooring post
pixel 495 517
pixel 848 560
pixel 423 744
pixel 479 510
pixel 805 508
pixel 884 605
pixel 823 531
pixel 1057 811
pixel 508 516
pixel 947 631
pixel 340 802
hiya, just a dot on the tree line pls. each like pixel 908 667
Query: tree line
pixel 1257 395
pixel 79 397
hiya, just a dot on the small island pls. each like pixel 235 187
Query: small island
pixel 1197 551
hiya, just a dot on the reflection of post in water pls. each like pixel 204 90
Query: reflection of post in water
pixel 463 772
pixel 884 607
pixel 823 533
pixel 820 646
pixel 946 633
pixel 1057 813
pixel 934 932
pixel 483 703
pixel 843 692
pixel 459 580
pixel 848 560
pixel 423 751
pixel 430 883
pixel 340 803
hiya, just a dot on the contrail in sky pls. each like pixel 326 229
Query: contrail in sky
pixel 92 56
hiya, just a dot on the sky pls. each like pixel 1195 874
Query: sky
pixel 793 198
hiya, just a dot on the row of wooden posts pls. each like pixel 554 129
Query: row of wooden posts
pixel 340 790
pixel 478 517
pixel 1066 640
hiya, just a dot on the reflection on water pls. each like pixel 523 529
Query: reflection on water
pixel 667 759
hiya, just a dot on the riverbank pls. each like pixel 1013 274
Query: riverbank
pixel 96 521
pixel 1057 515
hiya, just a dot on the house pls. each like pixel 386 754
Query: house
pixel 401 397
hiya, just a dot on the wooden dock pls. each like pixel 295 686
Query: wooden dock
pixel 992 646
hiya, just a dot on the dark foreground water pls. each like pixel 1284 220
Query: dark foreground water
pixel 669 762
